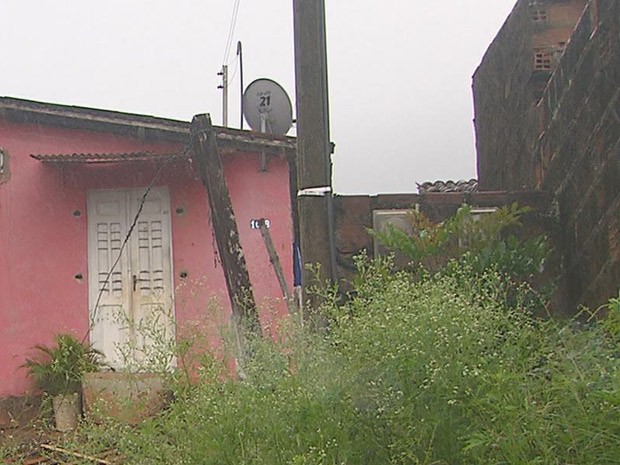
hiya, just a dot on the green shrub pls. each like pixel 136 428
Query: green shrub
pixel 612 321
pixel 59 369
pixel 481 241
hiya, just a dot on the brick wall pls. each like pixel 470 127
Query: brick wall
pixel 563 138
pixel 508 84
pixel 503 95
pixel 578 152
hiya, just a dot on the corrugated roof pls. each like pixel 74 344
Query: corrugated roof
pixel 106 157
pixel 448 186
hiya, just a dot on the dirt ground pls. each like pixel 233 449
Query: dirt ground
pixel 24 439
pixel 27 437
pixel 25 423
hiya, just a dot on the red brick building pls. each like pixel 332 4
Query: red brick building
pixel 547 106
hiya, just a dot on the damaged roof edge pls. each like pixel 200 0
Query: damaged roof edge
pixel 130 124
pixel 108 157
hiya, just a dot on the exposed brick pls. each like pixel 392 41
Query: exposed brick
pixel 354 213
pixel 568 143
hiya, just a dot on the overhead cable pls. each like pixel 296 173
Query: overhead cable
pixel 231 31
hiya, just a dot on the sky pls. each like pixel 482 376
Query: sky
pixel 400 71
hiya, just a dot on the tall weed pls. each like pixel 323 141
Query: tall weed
pixel 438 370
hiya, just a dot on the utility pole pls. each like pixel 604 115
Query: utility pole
pixel 224 87
pixel 314 167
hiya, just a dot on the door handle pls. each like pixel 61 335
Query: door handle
pixel 135 280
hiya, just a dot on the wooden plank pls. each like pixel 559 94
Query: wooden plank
pixel 277 267
pixel 209 163
pixel 75 454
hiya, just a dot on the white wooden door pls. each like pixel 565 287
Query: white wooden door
pixel 130 285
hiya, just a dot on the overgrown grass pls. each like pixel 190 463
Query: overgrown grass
pixel 440 370
pixel 7 451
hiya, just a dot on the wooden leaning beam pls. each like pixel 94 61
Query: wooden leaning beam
pixel 205 154
pixel 275 262
pixel 90 458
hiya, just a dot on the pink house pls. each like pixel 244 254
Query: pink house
pixel 72 184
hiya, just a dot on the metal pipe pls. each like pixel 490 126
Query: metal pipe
pixel 225 95
pixel 240 54
pixel 329 149
pixel 224 87
pixel 331 230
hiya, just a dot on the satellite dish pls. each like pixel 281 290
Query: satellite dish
pixel 267 108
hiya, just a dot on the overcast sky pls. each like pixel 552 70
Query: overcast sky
pixel 399 71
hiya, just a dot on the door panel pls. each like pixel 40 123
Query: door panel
pixel 108 296
pixel 110 333
pixel 131 307
pixel 152 276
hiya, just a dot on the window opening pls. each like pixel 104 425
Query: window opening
pixel 399 219
pixel 538 12
pixel 560 48
pixel 542 59
pixel 475 215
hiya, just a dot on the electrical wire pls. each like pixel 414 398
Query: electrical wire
pixel 234 73
pixel 231 31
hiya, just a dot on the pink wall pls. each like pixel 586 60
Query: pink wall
pixel 43 245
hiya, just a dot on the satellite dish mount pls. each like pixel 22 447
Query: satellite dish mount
pixel 267 107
